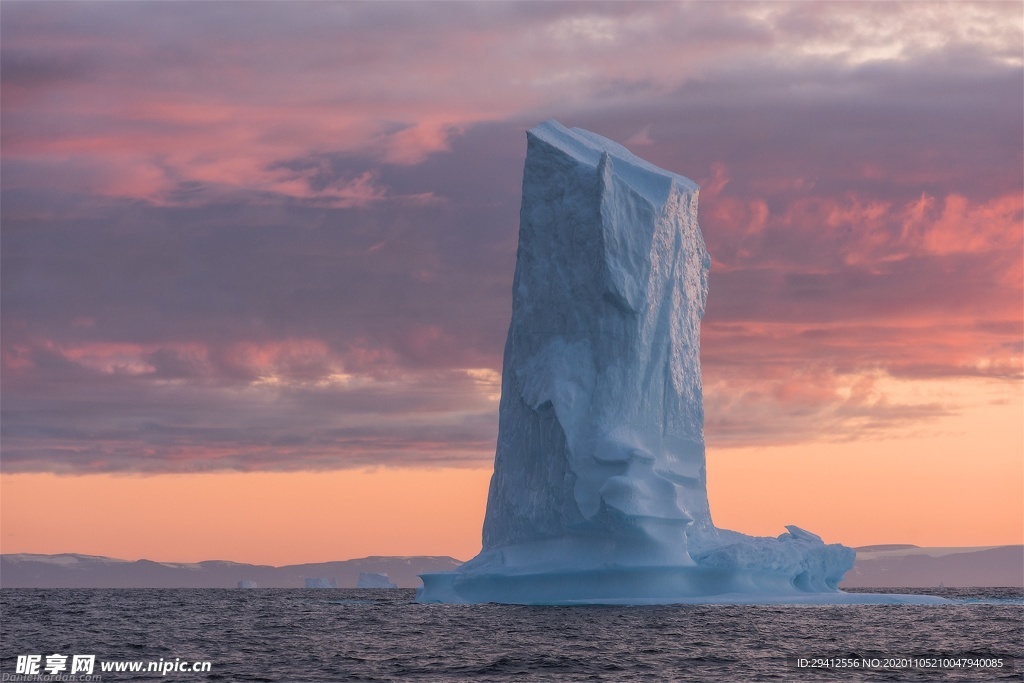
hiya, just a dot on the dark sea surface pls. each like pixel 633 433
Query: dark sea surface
pixel 382 635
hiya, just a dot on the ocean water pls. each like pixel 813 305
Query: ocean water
pixel 284 635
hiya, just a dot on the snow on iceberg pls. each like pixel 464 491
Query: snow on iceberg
pixel 599 488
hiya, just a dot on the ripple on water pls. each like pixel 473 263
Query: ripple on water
pixel 335 635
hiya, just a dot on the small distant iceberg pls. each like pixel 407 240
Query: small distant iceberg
pixel 374 580
pixel 321 583
pixel 247 584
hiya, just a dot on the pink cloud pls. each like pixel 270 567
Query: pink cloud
pixel 311 214
pixel 139 107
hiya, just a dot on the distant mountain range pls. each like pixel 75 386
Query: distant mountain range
pixel 23 570
pixel 884 566
pixel 880 566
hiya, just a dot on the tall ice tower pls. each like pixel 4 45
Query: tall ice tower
pixel 599 490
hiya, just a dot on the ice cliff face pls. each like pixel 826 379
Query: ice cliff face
pixel 601 417
pixel 599 488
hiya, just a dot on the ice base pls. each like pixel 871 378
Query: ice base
pixel 720 567
pixel 640 586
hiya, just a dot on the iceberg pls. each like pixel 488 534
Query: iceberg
pixel 317 582
pixel 374 580
pixel 599 490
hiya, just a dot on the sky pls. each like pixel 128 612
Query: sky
pixel 256 262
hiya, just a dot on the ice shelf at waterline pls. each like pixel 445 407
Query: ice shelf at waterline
pixel 599 490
